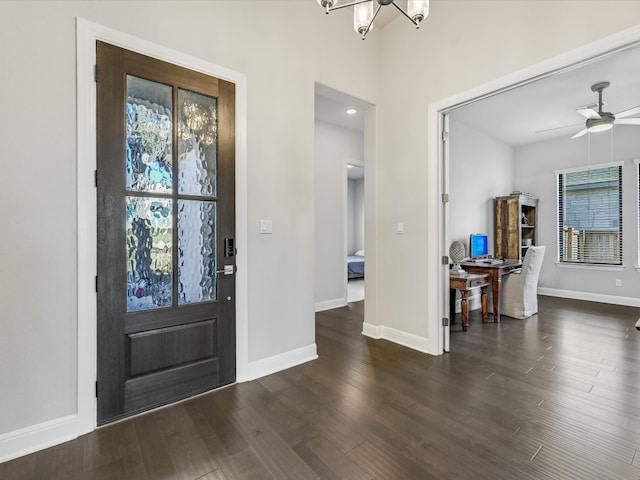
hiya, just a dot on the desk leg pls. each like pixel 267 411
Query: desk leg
pixel 483 301
pixel 452 305
pixel 495 292
pixel 465 310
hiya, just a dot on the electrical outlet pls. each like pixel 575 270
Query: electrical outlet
pixel 618 282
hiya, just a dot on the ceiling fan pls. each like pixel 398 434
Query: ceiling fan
pixel 599 121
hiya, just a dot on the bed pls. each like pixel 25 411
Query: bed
pixel 355 265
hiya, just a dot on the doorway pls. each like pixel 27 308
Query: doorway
pixel 340 197
pixel 166 228
pixel 523 100
pixel 355 232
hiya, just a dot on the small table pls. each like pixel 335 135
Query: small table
pixel 464 283
pixel 495 271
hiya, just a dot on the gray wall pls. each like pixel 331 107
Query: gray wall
pixel 535 172
pixel 532 169
pixel 481 169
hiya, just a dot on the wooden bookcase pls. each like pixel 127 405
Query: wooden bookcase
pixel 516 225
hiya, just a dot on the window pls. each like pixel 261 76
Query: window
pixel 590 215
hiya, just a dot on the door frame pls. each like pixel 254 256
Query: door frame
pixel 87 35
pixel 438 236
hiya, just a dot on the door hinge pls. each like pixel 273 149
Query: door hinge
pixel 96 283
pixel 445 260
pixel 445 136
pixel 95 73
pixel 96 389
pixel 95 177
pixel 445 322
pixel 445 197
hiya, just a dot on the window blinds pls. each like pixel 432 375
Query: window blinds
pixel 590 215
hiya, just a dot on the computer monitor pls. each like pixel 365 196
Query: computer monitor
pixel 478 245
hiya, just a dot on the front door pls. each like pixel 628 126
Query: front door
pixel 166 222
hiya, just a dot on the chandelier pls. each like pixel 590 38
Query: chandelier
pixel 364 14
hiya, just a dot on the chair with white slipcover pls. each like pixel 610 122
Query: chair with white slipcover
pixel 519 290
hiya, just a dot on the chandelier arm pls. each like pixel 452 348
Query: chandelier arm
pixel 405 14
pixel 345 5
pixel 371 22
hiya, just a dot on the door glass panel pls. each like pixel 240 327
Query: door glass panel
pixel 196 251
pixel 197 142
pixel 149 253
pixel 149 136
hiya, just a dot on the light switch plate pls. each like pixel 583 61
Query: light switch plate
pixel 266 226
pixel 401 228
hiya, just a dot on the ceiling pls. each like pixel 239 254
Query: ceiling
pixel 541 110
pixel 519 116
pixel 331 106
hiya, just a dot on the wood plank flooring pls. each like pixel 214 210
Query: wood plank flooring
pixel 556 396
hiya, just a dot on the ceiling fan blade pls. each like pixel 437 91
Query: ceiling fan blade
pixel 588 113
pixel 580 133
pixel 627 121
pixel 628 113
pixel 559 128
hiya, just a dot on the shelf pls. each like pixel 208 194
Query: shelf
pixel 515 224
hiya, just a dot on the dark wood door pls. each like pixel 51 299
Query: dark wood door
pixel 166 222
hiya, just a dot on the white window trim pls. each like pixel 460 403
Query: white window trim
pixel 591 266
pixel 590 167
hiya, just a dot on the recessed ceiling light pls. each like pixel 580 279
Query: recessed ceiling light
pixel 352 111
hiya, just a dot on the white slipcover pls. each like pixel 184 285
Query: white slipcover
pixel 519 291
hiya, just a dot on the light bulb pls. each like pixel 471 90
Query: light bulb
pixel 362 16
pixel 418 10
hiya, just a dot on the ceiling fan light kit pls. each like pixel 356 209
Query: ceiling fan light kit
pixel 365 11
pixel 595 125
pixel 599 121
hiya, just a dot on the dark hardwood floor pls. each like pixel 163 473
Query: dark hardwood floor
pixel 556 396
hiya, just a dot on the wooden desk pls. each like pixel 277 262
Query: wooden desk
pixel 464 283
pixel 495 272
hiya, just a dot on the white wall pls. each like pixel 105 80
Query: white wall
pixel 282 59
pixel 535 173
pixel 453 52
pixel 481 169
pixel 334 148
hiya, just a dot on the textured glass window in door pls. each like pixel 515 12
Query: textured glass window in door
pixel 149 142
pixel 149 231
pixel 197 144
pixel 196 251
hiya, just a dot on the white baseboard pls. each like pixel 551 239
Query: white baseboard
pixel 591 297
pixel 267 366
pixel 405 339
pixel 38 437
pixel 372 331
pixel 329 304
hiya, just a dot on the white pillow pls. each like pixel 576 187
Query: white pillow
pixel 359 253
